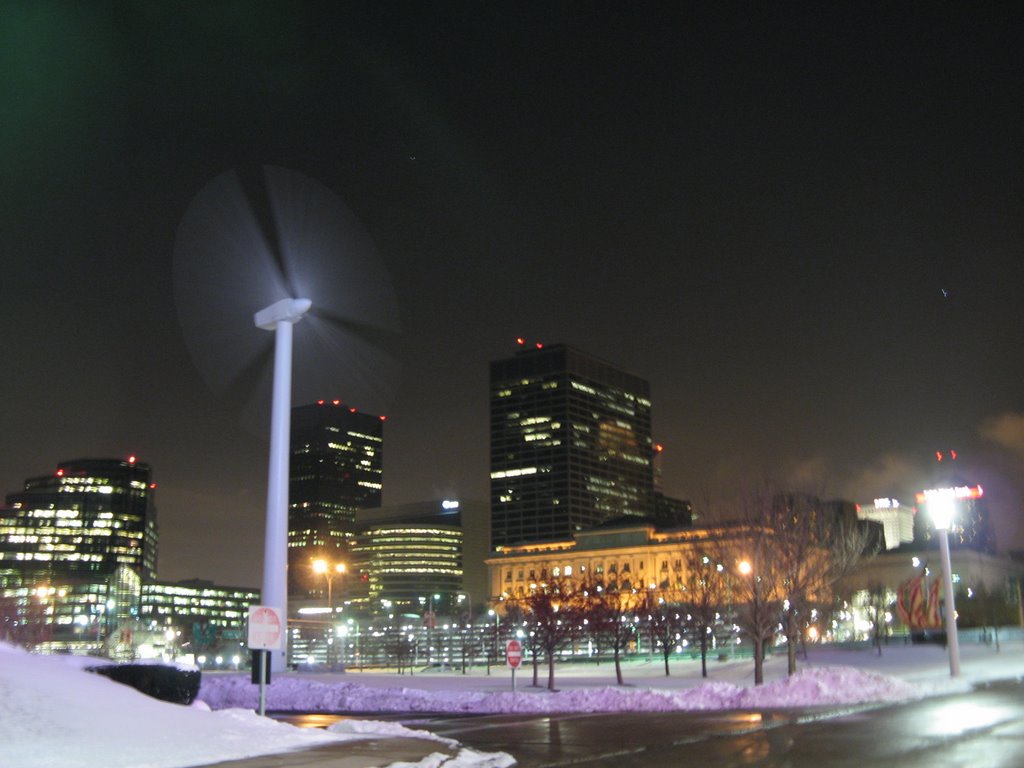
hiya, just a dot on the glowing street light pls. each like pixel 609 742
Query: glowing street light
pixel 942 508
pixel 329 571
pixel 279 318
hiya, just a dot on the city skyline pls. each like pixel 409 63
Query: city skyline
pixel 800 225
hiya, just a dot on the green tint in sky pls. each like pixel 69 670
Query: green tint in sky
pixel 59 68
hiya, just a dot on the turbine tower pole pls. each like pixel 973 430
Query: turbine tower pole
pixel 279 317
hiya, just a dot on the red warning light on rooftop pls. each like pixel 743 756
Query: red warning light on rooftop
pixel 521 342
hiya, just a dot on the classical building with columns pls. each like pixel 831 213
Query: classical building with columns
pixel 625 554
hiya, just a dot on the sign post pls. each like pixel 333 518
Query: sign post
pixel 513 657
pixel 266 633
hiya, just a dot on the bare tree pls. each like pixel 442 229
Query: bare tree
pixel 554 612
pixel 517 622
pixel 748 552
pixel 608 618
pixel 815 544
pixel 984 608
pixel 878 606
pixel 399 646
pixel 664 618
pixel 23 624
pixel 759 600
pixel 703 597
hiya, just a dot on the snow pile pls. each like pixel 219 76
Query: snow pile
pixel 53 712
pixel 97 719
pixel 811 687
pixel 828 685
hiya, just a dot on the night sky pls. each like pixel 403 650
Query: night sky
pixel 801 223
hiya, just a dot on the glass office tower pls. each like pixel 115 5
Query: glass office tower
pixel 87 518
pixel 570 445
pixel 74 547
pixel 336 468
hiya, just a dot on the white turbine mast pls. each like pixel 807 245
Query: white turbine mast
pixel 279 317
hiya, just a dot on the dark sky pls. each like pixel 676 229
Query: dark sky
pixel 801 223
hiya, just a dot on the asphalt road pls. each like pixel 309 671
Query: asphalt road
pixel 982 729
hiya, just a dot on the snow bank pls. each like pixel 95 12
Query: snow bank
pixel 812 687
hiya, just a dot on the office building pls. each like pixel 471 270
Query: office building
pixel 571 445
pixel 196 617
pixel 74 548
pixel 897 521
pixel 412 558
pixel 87 518
pixel 336 469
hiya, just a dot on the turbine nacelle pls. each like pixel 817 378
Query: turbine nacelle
pixel 283 311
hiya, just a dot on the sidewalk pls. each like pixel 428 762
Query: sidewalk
pixel 357 753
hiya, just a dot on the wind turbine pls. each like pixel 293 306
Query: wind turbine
pixel 287 242
pixel 279 317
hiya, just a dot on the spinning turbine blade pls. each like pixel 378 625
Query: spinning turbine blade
pixel 240 248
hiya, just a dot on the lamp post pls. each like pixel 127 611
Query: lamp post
pixel 429 621
pixel 430 628
pixel 349 631
pixel 941 506
pixel 327 570
pixel 728 599
pixel 459 597
pixel 747 570
pixel 494 645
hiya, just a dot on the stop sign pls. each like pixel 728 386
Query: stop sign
pixel 513 654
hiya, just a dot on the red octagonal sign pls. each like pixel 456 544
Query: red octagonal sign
pixel 513 654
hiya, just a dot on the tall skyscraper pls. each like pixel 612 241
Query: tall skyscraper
pixel 74 548
pixel 85 519
pixel 336 468
pixel 570 445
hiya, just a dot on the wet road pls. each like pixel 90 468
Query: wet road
pixel 981 729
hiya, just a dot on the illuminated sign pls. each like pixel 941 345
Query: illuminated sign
pixel 886 504
pixel 959 492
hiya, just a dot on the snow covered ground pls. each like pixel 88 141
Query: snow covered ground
pixel 54 714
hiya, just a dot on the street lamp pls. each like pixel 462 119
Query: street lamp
pixel 494 645
pixel 459 597
pixel 728 598
pixel 942 507
pixel 430 620
pixel 355 634
pixel 279 318
pixel 327 570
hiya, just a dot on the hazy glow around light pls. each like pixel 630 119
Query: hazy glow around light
pixel 941 506
pixel 959 492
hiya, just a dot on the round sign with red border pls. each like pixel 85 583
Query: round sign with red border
pixel 513 654
pixel 266 632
